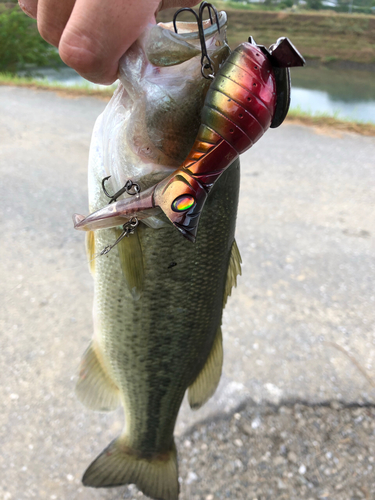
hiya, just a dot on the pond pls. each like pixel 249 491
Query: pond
pixel 343 93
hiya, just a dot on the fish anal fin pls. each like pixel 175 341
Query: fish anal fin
pixel 90 250
pixel 155 476
pixel 95 388
pixel 208 379
pixel 131 259
pixel 234 270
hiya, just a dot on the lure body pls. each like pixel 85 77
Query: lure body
pixel 246 97
pixel 238 109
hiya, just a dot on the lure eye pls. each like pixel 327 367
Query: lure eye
pixel 182 203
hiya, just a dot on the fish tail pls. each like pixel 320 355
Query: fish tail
pixel 118 464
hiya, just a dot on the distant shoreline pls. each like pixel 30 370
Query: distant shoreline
pixel 325 37
pixel 342 64
pixel 320 121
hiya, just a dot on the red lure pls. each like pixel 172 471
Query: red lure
pixel 249 94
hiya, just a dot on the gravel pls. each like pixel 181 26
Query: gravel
pixel 296 451
pixel 299 326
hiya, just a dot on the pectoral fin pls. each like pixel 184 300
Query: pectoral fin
pixel 95 388
pixel 131 258
pixel 90 250
pixel 234 270
pixel 208 379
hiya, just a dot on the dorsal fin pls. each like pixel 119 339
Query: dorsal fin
pixel 234 270
pixel 208 379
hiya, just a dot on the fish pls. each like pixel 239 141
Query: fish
pixel 170 139
pixel 158 298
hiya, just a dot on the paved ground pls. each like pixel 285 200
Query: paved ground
pixel 293 417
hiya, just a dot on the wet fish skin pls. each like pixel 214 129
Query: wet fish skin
pixel 157 306
pixel 167 335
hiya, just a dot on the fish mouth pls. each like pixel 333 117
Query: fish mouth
pixel 187 30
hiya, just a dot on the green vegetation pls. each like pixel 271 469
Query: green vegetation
pixel 21 46
pixel 325 120
pixel 348 6
pixel 319 35
pixel 325 36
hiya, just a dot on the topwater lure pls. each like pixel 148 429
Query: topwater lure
pixel 249 94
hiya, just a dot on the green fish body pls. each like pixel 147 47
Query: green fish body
pixel 158 298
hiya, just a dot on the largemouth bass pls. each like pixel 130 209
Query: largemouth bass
pixel 158 298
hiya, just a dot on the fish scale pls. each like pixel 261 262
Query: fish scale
pixel 179 312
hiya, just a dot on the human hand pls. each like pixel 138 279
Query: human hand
pixel 92 35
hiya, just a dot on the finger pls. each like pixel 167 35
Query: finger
pixel 29 7
pixel 53 15
pixel 98 33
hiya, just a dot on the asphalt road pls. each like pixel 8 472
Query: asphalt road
pixel 298 330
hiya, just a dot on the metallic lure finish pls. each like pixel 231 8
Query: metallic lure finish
pixel 240 105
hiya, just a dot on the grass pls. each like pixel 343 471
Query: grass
pixel 295 115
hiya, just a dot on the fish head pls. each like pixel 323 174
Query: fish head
pixel 150 125
pixel 161 73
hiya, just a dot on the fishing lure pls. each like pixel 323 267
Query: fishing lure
pixel 249 94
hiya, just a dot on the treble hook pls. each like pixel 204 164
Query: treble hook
pixel 182 10
pixel 127 188
pixel 209 6
pixel 127 229
pixel 205 59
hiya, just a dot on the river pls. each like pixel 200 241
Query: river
pixel 342 93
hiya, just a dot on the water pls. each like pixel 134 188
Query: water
pixel 347 94
pixel 65 76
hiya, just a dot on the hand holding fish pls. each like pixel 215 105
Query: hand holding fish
pixel 92 35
